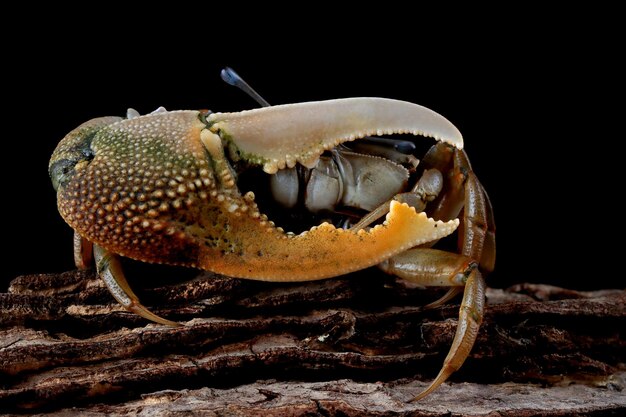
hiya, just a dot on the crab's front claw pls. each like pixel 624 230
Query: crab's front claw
pixel 178 202
pixel 268 254
pixel 280 136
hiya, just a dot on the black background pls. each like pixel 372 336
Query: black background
pixel 524 105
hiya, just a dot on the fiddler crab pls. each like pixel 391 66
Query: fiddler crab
pixel 168 187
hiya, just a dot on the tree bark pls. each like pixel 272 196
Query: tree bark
pixel 358 345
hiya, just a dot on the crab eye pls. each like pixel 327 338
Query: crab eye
pixel 60 172
pixel 88 154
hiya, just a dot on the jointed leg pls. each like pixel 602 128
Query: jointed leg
pixel 110 270
pixel 432 267
pixel 83 252
pixel 477 234
pixel 462 191
pixel 488 258
pixel 449 203
pixel 470 319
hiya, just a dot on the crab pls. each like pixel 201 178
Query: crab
pixel 168 187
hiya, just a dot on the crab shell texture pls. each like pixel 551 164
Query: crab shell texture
pixel 159 187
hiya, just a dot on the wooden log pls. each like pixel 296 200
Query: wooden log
pixel 358 345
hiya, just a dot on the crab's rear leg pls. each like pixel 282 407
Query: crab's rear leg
pixel 83 252
pixel 477 232
pixel 463 193
pixel 433 267
pixel 110 271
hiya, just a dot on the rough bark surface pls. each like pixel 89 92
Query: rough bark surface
pixel 359 345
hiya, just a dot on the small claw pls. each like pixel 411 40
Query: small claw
pixel 273 135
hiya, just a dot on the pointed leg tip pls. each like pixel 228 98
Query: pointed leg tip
pixel 416 398
pixel 425 393
pixel 147 314
pixel 452 292
pixel 440 379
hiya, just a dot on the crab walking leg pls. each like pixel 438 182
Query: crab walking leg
pixel 425 190
pixel 477 233
pixel 432 267
pixel 470 319
pixel 83 252
pixel 110 270
pixel 477 249
pixel 449 203
pixel 463 191
pixel 488 258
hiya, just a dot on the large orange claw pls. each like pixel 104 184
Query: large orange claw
pixel 324 251
pixel 160 187
pixel 281 136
